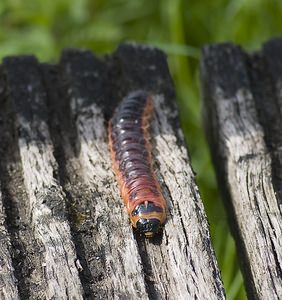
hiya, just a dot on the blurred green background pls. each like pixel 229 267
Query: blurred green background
pixel 178 27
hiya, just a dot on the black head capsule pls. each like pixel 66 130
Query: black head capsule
pixel 148 218
pixel 148 227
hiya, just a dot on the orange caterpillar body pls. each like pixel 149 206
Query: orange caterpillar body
pixel 132 162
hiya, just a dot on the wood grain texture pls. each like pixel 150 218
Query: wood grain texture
pixel 239 111
pixel 8 282
pixel 66 230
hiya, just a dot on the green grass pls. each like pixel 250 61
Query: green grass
pixel 180 28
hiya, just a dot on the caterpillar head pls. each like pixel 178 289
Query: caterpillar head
pixel 148 227
pixel 148 218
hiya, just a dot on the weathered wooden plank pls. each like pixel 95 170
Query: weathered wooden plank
pixel 24 249
pixel 55 272
pixel 235 98
pixel 181 264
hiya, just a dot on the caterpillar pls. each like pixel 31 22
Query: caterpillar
pixel 130 150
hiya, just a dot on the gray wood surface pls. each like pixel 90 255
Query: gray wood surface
pixel 66 234
pixel 8 288
pixel 242 103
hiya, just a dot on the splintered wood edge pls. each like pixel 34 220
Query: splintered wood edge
pixel 237 140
